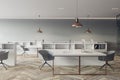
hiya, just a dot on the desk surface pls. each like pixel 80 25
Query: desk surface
pixel 33 47
pixel 79 54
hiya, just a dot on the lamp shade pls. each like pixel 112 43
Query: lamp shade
pixel 40 31
pixel 77 24
pixel 88 31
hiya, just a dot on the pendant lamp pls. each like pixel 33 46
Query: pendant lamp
pixel 77 24
pixel 40 31
pixel 88 31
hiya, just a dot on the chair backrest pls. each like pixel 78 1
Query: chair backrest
pixel 3 55
pixel 22 47
pixel 46 55
pixel 110 55
pixel 25 49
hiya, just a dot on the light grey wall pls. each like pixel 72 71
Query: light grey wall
pixel 26 30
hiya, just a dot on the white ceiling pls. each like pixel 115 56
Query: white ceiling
pixel 59 9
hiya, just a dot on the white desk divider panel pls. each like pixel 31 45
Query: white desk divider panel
pixel 11 47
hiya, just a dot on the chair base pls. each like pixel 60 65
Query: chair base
pixel 107 64
pixel 44 64
pixel 4 65
pixel 24 53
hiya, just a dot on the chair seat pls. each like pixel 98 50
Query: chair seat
pixel 109 57
pixel 3 56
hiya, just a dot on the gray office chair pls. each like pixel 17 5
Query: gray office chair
pixel 3 56
pixel 24 49
pixel 109 57
pixel 46 56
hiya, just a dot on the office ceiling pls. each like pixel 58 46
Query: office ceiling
pixel 102 9
pixel 59 9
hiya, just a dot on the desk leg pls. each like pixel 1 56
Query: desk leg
pixel 53 67
pixel 106 67
pixel 37 52
pixel 79 65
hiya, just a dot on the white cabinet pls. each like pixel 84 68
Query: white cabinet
pixel 85 46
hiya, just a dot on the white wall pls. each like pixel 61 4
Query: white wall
pixel 26 30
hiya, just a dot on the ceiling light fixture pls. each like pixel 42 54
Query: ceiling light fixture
pixel 88 30
pixel 40 31
pixel 77 24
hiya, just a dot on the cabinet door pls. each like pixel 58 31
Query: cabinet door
pixel 102 46
pixel 7 46
pixel 89 46
pixel 96 46
pixel 62 46
pixel 48 46
pixel 99 46
pixel 79 46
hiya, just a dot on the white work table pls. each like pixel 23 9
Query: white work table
pixel 79 55
pixel 70 57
